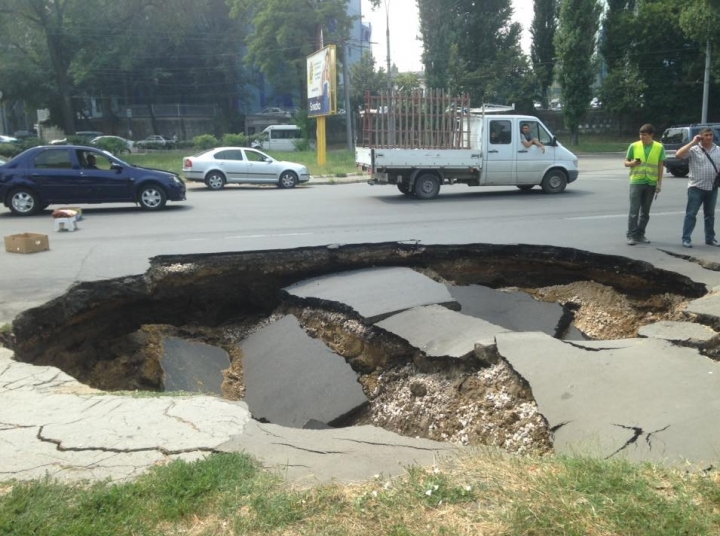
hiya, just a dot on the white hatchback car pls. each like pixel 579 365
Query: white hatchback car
pixel 242 165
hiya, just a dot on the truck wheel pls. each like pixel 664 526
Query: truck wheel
pixel 427 186
pixel 554 181
pixel 404 187
pixel 679 172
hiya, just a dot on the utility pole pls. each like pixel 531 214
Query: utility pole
pixel 387 38
pixel 348 113
pixel 391 121
pixel 706 85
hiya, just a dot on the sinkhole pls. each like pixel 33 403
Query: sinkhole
pixel 398 335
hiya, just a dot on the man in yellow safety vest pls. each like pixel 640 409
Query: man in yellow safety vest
pixel 645 160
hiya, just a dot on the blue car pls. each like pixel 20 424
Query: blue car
pixel 63 174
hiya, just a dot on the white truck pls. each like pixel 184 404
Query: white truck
pixel 490 153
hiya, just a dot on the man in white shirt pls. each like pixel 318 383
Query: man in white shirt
pixel 704 160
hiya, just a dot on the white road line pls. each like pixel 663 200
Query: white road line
pixel 612 216
pixel 266 235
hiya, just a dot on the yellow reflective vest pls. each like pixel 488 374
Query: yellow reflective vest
pixel 647 171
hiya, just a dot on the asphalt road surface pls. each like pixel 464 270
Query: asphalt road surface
pixel 117 240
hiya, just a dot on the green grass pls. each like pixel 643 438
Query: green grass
pixel 338 162
pixel 595 143
pixel 480 493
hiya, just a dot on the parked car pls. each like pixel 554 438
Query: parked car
pixel 238 165
pixel 275 111
pixel 82 136
pixel 20 134
pixel 8 139
pixel 678 135
pixel 155 142
pixel 51 174
pixel 127 145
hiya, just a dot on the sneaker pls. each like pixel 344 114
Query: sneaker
pixel 631 242
pixel 713 242
pixel 687 244
pixel 643 240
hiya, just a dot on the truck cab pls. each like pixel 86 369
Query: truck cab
pixel 507 161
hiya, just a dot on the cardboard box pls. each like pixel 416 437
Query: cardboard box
pixel 26 243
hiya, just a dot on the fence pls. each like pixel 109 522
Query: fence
pixel 173 110
pixel 428 119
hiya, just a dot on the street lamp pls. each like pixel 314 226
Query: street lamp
pixel 387 38
pixel 391 121
pixel 2 111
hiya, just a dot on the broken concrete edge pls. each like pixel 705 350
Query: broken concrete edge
pixel 124 304
pixel 692 334
pixel 340 307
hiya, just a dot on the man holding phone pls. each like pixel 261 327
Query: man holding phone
pixel 704 161
pixel 645 160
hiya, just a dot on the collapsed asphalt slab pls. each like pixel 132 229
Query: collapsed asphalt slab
pixel 514 310
pixel 646 401
pixel 439 332
pixel 193 366
pixel 375 293
pixel 292 379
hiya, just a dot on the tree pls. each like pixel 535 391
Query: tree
pixel 542 51
pixel 472 47
pixel 407 81
pixel 286 32
pixel 150 49
pixel 45 37
pixel 623 89
pixel 670 64
pixel 364 77
pixel 437 31
pixel 575 45
pixel 617 35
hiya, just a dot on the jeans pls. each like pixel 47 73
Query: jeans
pixel 695 198
pixel 641 198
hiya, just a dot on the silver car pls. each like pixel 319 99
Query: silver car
pixel 242 165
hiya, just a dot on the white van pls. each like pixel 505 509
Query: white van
pixel 279 138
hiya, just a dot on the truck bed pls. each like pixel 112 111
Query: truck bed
pixel 418 158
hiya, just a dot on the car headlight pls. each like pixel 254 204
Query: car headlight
pixel 176 179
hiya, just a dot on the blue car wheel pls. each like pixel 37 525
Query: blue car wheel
pixel 152 197
pixel 24 202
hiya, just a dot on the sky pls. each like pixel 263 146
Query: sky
pixel 405 49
